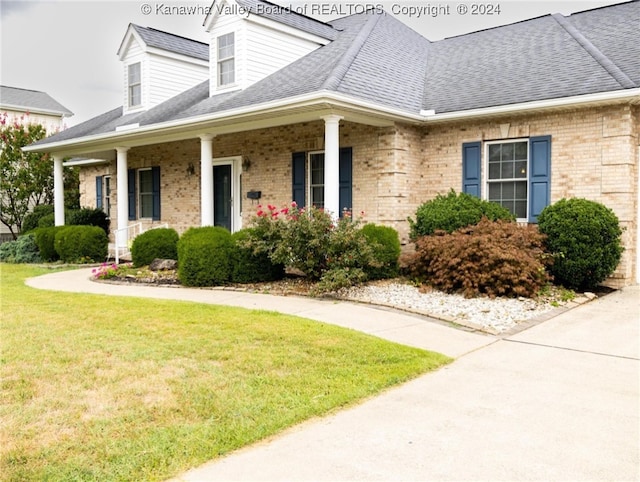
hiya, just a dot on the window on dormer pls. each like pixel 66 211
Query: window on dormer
pixel 226 59
pixel 135 85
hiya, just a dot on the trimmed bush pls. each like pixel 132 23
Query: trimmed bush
pixel 47 221
pixel 81 244
pixel 250 267
pixel 494 258
pixel 45 240
pixel 204 256
pixel 27 250
pixel 31 220
pixel 385 244
pixel 88 217
pixel 454 211
pixel 156 243
pixel 585 238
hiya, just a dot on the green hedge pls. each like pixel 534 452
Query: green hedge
pixel 31 220
pixel 22 250
pixel 81 244
pixel 452 212
pixel 45 239
pixel 204 256
pixel 156 243
pixel 385 242
pixel 585 238
pixel 248 267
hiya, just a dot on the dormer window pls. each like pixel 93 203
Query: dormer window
pixel 135 85
pixel 226 60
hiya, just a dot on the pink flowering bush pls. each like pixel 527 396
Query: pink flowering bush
pixel 105 271
pixel 334 252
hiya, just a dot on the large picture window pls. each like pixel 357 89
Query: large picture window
pixel 135 85
pixel 226 59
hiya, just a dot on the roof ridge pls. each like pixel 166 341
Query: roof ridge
pixel 595 52
pixel 164 32
pixel 332 82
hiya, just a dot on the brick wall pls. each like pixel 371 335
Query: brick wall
pixel 395 169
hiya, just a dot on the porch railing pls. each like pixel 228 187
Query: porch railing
pixel 124 238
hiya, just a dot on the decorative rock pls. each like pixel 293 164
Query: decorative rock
pixel 163 264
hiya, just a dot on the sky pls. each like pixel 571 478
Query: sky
pixel 69 48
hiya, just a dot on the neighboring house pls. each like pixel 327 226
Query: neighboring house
pixel 364 113
pixel 24 106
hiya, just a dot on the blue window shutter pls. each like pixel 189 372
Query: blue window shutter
pixel 345 179
pixel 131 173
pixel 155 174
pixel 298 163
pixel 471 168
pixel 99 192
pixel 539 175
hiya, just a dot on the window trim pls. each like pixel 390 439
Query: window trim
pixel 225 60
pixel 485 172
pixel 132 85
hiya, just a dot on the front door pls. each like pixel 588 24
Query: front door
pixel 222 196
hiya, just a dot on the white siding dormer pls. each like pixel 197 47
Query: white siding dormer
pixel 164 73
pixel 262 45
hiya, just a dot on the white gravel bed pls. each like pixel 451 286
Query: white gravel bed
pixel 496 315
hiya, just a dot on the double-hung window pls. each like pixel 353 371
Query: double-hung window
pixel 513 173
pixel 226 59
pixel 145 193
pixel 316 179
pixel 103 194
pixel 134 82
pixel 507 175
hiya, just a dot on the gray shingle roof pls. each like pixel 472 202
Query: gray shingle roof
pixel 31 100
pixel 291 18
pixel 376 58
pixel 173 43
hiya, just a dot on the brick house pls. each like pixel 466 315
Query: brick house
pixel 364 113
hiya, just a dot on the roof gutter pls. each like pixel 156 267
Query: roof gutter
pixel 576 101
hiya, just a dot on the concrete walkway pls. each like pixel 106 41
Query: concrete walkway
pixel 559 401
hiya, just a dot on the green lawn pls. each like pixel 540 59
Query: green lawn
pixel 105 388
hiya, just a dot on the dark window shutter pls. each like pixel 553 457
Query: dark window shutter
pixel 99 192
pixel 298 162
pixel 539 175
pixel 155 173
pixel 471 178
pixel 345 179
pixel 131 188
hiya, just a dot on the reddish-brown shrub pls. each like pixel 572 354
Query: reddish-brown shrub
pixel 494 258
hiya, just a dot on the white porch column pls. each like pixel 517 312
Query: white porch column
pixel 122 198
pixel 206 179
pixel 58 190
pixel 332 164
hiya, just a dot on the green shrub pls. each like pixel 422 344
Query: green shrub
pixel 47 221
pixel 585 238
pixel 454 211
pixel 27 250
pixel 45 240
pixel 31 220
pixel 8 251
pixel 250 267
pixel 156 243
pixel 204 256
pixel 88 217
pixel 81 244
pixel 494 258
pixel 385 243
